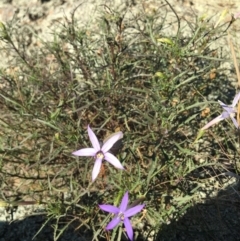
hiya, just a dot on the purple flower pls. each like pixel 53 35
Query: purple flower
pixel 228 111
pixel 100 153
pixel 122 214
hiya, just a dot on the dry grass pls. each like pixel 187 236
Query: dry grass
pixel 158 90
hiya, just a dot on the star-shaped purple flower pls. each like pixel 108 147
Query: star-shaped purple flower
pixel 122 214
pixel 100 153
pixel 228 111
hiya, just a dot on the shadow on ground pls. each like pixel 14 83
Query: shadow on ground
pixel 25 230
pixel 218 219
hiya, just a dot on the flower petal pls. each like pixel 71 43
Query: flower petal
pixel 93 139
pixel 85 152
pixel 116 220
pixel 222 104
pixel 234 121
pixel 227 108
pixel 110 142
pixel 96 168
pixel 113 160
pixel 235 100
pixel 124 203
pixel 109 208
pixel 129 228
pixel 214 121
pixel 132 211
pixel 226 114
pixel 113 134
pixel 230 110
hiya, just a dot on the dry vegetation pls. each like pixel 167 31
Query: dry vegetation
pixel 158 90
